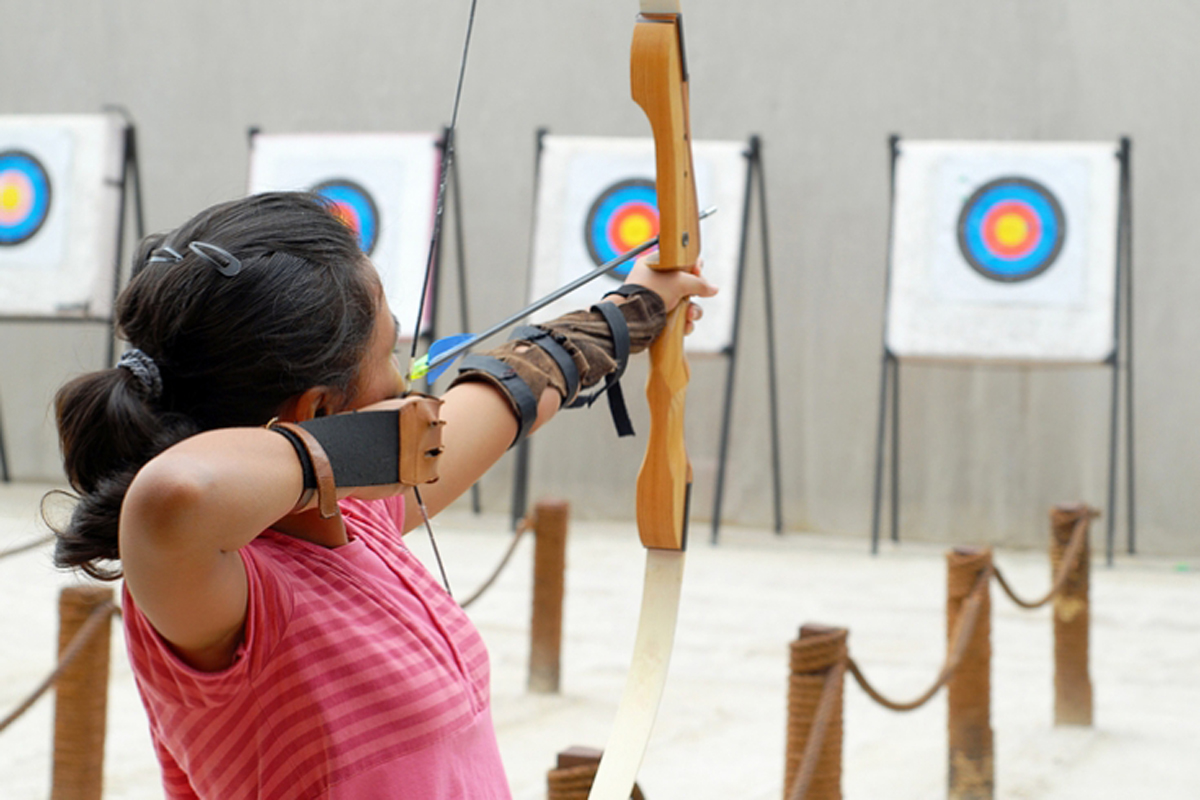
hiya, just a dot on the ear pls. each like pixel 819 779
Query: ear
pixel 319 401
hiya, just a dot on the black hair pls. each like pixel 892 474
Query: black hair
pixel 232 349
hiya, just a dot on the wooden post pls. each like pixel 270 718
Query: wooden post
pixel 1072 683
pixel 813 657
pixel 81 698
pixel 971 765
pixel 549 569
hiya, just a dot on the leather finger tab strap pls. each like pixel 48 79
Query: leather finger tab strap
pixel 322 468
pixel 420 440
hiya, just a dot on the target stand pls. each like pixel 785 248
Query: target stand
pixel 66 186
pixel 596 199
pixel 1008 253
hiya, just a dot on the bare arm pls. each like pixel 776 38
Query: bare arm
pixel 186 514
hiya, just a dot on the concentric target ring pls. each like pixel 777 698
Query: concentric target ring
pixel 1011 229
pixel 355 207
pixel 24 196
pixel 624 216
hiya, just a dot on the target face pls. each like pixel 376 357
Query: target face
pixel 624 216
pixel 355 207
pixel 24 196
pixel 1011 229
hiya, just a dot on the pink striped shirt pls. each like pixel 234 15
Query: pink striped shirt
pixel 358 677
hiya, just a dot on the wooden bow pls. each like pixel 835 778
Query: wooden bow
pixel 660 87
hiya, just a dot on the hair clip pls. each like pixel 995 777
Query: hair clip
pixel 220 258
pixel 171 257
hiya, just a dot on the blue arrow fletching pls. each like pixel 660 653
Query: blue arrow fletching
pixel 421 368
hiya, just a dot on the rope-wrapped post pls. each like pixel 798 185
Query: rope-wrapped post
pixel 81 697
pixel 1072 683
pixel 818 660
pixel 968 573
pixel 574 773
pixel 549 571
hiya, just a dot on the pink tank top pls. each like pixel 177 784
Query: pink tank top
pixel 358 677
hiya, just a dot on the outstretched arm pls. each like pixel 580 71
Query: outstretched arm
pixel 480 422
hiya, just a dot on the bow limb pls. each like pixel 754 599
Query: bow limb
pixel 659 84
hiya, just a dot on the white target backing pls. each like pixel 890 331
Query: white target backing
pixel 383 185
pixel 1004 251
pixel 595 199
pixel 60 202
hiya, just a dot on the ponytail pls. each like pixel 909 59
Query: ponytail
pixel 107 431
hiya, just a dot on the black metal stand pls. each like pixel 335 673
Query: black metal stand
pixel 754 170
pixel 520 490
pixel 889 383
pixel 460 252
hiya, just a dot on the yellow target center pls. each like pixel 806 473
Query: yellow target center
pixel 1011 230
pixel 635 229
pixel 10 197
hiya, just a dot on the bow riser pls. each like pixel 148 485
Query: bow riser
pixel 659 85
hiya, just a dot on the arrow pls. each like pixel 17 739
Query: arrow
pixel 443 352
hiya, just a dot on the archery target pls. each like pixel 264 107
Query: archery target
pixel 596 200
pixel 60 191
pixel 24 196
pixel 624 216
pixel 1004 251
pixel 355 207
pixel 382 185
pixel 1011 229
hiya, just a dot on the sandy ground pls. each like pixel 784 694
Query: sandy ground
pixel 720 730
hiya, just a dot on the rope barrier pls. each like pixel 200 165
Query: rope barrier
pixel 813 756
pixel 966 670
pixel 965 629
pixel 90 628
pixel 1069 561
pixel 826 710
pixel 23 548
pixel 572 778
pixel 522 527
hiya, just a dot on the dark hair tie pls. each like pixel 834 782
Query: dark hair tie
pixel 220 258
pixel 145 370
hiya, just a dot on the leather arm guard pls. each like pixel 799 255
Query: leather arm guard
pixel 573 352
pixel 367 448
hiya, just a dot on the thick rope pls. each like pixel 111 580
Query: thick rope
pixel 1065 567
pixel 826 708
pixel 95 621
pixel 522 527
pixel 962 636
pixel 23 548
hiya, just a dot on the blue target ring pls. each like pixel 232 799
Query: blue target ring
pixel 1011 229
pixel 624 216
pixel 24 196
pixel 355 207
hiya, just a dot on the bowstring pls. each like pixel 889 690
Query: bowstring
pixel 446 165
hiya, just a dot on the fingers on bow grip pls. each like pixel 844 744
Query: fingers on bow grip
pixel 420 439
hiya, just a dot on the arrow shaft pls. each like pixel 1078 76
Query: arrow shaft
pixel 562 291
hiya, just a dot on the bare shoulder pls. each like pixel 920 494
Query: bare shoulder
pixel 191 589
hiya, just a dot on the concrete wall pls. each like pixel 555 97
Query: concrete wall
pixel 985 452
